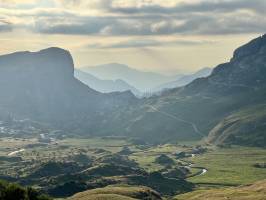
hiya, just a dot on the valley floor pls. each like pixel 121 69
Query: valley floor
pixel 230 166
pixel 119 162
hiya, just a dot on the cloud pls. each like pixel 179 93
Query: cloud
pixel 200 6
pixel 82 4
pixel 16 3
pixel 139 18
pixel 116 26
pixel 145 43
pixel 5 26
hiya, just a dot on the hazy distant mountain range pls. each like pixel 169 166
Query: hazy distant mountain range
pixel 142 81
pixel 184 79
pixel 105 86
pixel 118 77
pixel 229 104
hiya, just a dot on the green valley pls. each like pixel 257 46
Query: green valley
pixel 61 139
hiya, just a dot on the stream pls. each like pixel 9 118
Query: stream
pixel 15 152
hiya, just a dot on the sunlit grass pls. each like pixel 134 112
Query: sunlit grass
pixel 232 166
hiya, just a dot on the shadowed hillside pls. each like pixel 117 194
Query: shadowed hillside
pixel 191 112
pixel 41 86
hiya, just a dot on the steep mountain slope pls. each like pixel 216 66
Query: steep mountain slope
pixel 143 81
pixel 28 80
pixel 193 111
pixel 41 86
pixel 186 79
pixel 244 127
pixel 105 86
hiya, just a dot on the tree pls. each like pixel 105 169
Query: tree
pixel 10 191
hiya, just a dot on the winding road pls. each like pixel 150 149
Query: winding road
pixel 204 171
pixel 15 152
pixel 199 173
pixel 195 128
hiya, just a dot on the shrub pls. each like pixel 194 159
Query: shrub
pixel 11 191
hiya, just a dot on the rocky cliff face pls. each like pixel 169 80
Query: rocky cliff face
pixel 247 68
pixel 256 46
pixel 46 63
pixel 41 86
pixel 245 71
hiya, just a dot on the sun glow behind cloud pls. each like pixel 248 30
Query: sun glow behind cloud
pixel 143 31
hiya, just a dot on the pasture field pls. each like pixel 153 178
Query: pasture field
pixel 230 166
pixel 226 167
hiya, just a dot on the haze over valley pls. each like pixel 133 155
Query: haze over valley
pixel 126 100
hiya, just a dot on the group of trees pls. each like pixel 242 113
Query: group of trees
pixel 11 191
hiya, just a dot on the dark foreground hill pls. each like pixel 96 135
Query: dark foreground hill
pixel 10 191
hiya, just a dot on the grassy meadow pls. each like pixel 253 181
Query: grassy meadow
pixel 230 166
pixel 227 167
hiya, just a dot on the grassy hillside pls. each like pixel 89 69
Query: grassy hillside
pixel 255 191
pixel 174 116
pixel 230 167
pixel 191 112
pixel 117 193
pixel 88 164
pixel 245 127
pixel 72 165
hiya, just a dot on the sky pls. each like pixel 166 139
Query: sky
pixel 166 36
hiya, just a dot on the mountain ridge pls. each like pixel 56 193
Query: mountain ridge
pixel 143 81
pixel 105 86
pixel 41 86
pixel 43 92
pixel 205 102
pixel 185 79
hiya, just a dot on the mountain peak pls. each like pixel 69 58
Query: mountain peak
pixel 52 51
pixel 56 50
pixel 58 58
pixel 254 46
pixel 52 61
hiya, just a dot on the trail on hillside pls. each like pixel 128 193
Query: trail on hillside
pixel 193 125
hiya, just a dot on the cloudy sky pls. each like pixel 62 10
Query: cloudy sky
pixel 168 36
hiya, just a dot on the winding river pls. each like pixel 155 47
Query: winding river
pixel 16 152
